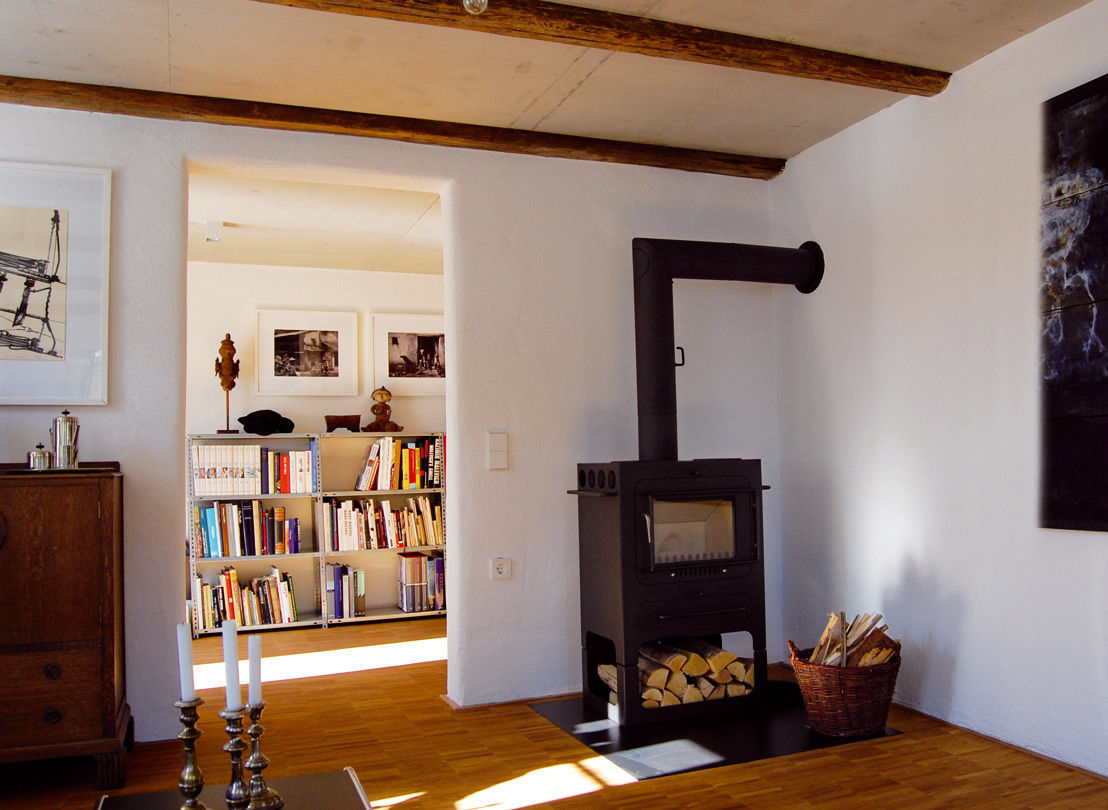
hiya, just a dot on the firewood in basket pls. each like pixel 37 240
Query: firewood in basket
pixel 878 655
pixel 669 657
pixel 817 651
pixel 717 658
pixel 652 674
pixel 652 694
pixel 859 629
pixel 876 640
pixel 650 704
pixel 670 699
pixel 869 659
pixel 613 699
pixel 737 689
pixel 705 686
pixel 829 640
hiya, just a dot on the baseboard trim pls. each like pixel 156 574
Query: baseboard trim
pixel 521 701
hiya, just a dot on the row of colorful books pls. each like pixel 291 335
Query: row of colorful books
pixel 366 523
pixel 397 463
pixel 220 470
pixel 345 591
pixel 267 599
pixel 421 581
pixel 244 529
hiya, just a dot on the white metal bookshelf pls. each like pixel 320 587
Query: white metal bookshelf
pixel 335 460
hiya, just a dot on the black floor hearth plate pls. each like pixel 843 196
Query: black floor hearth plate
pixel 729 738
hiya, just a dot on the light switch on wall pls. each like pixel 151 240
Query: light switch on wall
pixel 498 449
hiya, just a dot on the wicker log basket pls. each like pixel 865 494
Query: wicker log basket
pixel 846 701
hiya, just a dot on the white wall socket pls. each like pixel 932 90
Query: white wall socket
pixel 500 568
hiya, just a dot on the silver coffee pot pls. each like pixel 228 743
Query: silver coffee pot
pixel 64 432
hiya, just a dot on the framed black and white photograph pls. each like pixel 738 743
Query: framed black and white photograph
pixel 307 352
pixel 409 354
pixel 54 250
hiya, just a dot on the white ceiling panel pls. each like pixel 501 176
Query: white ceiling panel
pixel 707 107
pixel 261 51
pixel 123 43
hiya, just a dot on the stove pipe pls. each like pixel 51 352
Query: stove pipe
pixel 657 263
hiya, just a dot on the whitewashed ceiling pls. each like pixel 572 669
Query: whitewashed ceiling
pixel 305 219
pixel 265 51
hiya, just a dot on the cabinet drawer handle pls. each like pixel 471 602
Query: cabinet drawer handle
pixel 52 716
pixel 52 671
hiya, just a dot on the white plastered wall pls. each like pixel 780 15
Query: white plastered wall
pixel 537 294
pixel 225 299
pixel 909 405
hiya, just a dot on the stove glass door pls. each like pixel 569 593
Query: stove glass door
pixel 691 530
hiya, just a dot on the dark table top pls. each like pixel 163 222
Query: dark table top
pixel 338 790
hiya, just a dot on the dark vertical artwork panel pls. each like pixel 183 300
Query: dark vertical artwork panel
pixel 1074 330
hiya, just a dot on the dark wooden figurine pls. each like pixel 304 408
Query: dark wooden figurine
pixel 227 369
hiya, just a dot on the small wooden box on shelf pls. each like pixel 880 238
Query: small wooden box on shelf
pixel 300 529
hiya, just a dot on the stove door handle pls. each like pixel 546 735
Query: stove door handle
pixel 664 618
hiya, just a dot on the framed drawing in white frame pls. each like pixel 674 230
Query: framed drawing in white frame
pixel 409 355
pixel 55 223
pixel 304 352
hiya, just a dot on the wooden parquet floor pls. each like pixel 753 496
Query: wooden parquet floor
pixel 411 750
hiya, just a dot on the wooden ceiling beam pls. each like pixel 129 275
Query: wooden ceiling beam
pixel 236 112
pixel 593 28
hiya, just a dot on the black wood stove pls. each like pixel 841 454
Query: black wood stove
pixel 673 549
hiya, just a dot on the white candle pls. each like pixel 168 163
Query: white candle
pixel 184 660
pixel 254 654
pixel 231 665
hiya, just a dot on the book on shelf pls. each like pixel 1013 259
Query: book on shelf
pixel 368 523
pixel 359 591
pixel 346 591
pixel 265 599
pixel 244 529
pixel 394 463
pixel 368 473
pixel 229 470
pixel 420 581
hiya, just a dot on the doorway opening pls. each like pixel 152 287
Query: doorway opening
pixel 324 259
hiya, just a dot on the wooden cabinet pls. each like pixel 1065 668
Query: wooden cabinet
pixel 61 617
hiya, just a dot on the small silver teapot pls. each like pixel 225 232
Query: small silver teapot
pixel 40 458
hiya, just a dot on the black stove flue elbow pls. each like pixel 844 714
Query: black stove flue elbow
pixel 657 262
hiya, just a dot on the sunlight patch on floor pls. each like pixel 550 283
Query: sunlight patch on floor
pixel 329 662
pixel 548 785
pixel 380 804
pixel 672 756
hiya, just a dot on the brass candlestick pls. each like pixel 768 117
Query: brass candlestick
pixel 191 781
pixel 238 795
pixel 262 797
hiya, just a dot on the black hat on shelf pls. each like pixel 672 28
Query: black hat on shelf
pixel 264 423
